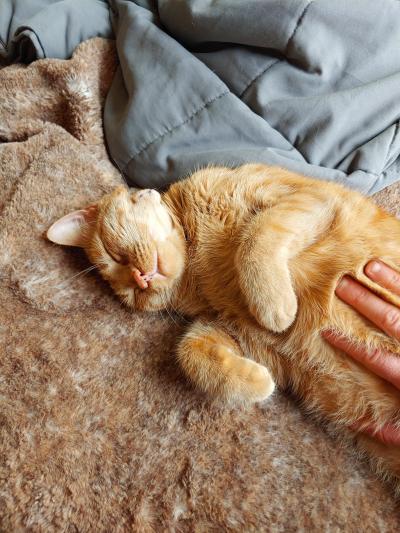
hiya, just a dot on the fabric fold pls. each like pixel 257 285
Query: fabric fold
pixel 306 84
pixel 35 29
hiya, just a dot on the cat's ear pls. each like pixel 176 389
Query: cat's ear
pixel 71 229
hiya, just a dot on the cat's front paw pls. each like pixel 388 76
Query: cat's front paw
pixel 283 316
pixel 277 314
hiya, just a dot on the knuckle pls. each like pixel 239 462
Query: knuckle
pixel 394 278
pixel 374 355
pixel 382 436
pixel 387 434
pixel 359 296
pixel 391 320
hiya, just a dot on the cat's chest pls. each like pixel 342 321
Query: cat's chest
pixel 211 273
pixel 212 250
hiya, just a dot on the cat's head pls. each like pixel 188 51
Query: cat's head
pixel 136 242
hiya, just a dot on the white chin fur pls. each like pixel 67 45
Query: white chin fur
pixel 128 297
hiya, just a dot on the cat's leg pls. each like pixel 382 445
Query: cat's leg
pixel 214 362
pixel 269 241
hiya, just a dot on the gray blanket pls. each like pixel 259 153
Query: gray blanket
pixel 310 85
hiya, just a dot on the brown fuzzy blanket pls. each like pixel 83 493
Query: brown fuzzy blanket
pixel 99 431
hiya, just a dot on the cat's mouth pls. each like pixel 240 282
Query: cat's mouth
pixel 143 279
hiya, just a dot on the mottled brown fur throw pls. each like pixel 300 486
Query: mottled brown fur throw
pixel 99 430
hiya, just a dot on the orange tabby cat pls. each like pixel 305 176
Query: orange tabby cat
pixel 253 254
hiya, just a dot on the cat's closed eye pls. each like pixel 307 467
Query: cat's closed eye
pixel 120 259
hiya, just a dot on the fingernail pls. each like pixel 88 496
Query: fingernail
pixel 373 267
pixel 343 283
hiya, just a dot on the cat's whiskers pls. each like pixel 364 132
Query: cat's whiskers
pixel 173 296
pixel 82 272
pixel 166 305
pixel 160 313
pixel 174 311
pixel 181 317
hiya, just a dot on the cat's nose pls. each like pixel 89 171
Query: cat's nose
pixel 139 278
pixel 142 279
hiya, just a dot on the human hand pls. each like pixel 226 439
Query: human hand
pixel 384 315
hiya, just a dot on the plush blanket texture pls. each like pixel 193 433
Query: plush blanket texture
pixel 99 431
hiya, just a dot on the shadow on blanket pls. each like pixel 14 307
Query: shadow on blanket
pixel 98 430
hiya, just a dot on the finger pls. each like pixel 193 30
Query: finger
pixel 388 434
pixel 381 362
pixel 383 314
pixel 383 275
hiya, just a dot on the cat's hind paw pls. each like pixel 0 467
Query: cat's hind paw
pixel 245 380
pixel 259 386
pixel 214 362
